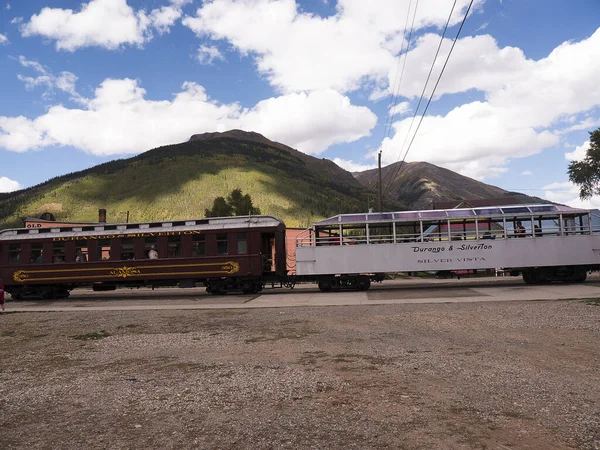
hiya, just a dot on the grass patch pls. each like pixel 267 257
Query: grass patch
pixel 91 336
pixel 128 326
pixel 592 301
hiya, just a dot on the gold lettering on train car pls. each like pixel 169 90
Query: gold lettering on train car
pixel 124 272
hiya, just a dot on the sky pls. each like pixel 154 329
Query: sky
pixel 85 82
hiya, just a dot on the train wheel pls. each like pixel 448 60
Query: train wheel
pixel 249 288
pixel 364 283
pixel 580 276
pixel 325 284
pixel 216 289
pixel 543 275
pixel 529 276
pixel 336 284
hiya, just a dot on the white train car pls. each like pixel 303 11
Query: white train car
pixel 542 242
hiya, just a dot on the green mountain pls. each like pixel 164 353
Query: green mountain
pixel 180 181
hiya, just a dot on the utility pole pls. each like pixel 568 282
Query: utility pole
pixel 379 164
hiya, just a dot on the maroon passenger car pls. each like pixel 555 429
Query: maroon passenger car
pixel 225 254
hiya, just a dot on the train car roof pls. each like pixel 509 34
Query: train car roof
pixel 112 229
pixel 455 213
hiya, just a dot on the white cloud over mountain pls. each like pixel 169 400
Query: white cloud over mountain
pixel 298 51
pixel 8 185
pixel 524 106
pixel 519 115
pixel 119 119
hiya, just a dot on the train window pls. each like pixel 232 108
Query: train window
pixel 198 245
pixel 242 243
pixel 127 251
pixel 58 252
pixel 519 227
pixel 491 228
pixel 14 253
pixel 174 249
pixel 81 252
pixel 149 244
pixel 222 244
pixel 35 253
pixel 435 230
pixel 408 232
pixel 354 234
pixel 103 249
pixel 380 233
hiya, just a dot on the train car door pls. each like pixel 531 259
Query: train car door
pixel 267 251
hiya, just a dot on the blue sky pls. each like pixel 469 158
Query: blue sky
pixel 84 82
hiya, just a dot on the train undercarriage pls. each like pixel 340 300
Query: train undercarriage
pixel 40 292
pixel 255 285
pixel 543 275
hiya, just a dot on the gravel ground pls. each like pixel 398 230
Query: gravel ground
pixel 452 376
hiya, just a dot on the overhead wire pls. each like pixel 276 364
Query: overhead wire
pixel 396 88
pixel 397 170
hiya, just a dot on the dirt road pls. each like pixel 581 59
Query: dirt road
pixel 452 376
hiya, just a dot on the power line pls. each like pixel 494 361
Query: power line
pixel 396 89
pixel 395 172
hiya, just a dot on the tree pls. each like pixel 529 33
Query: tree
pixel 241 204
pixel 236 204
pixel 586 173
pixel 220 208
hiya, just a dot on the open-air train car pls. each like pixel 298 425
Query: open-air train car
pixel 543 242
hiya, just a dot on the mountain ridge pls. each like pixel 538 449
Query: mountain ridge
pixel 181 180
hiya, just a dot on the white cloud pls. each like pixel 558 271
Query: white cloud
pixel 351 166
pixel 120 120
pixel 8 185
pixel 300 52
pixel 20 134
pixel 310 122
pixel 527 173
pixel 579 153
pixel 472 139
pixel 164 18
pixel 567 193
pixel 89 26
pixel 476 63
pixel 3 39
pixel 588 123
pixel 207 54
pixel 399 109
pixel 525 100
pixel 482 27
pixel 65 81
